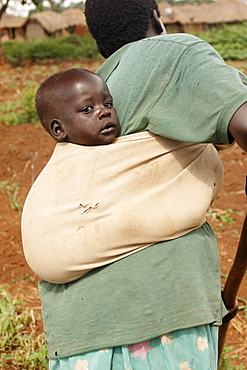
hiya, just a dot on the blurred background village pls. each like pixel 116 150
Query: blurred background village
pixel 56 19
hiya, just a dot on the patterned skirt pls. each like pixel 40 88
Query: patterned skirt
pixel 187 349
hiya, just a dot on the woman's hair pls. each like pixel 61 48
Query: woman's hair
pixel 114 23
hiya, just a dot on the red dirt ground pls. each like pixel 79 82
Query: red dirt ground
pixel 25 150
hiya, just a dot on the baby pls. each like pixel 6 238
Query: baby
pixel 75 106
pixel 94 204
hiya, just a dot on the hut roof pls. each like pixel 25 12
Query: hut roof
pixel 166 12
pixel 222 11
pixel 49 20
pixel 11 21
pixel 184 14
pixel 74 17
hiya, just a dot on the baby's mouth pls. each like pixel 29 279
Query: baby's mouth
pixel 108 128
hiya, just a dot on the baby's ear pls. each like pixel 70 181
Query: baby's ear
pixel 57 131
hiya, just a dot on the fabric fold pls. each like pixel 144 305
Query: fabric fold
pixel 91 206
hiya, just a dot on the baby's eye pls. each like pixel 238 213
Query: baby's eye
pixel 87 109
pixel 109 104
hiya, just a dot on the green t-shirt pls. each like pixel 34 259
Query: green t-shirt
pixel 179 87
pixel 176 86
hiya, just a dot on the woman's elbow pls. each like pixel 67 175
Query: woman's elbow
pixel 238 127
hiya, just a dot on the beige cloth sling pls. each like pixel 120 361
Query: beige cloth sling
pixel 91 206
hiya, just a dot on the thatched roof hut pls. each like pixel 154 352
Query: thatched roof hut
pixel 74 17
pixel 222 11
pixel 177 15
pixel 47 23
pixel 11 21
pixel 49 20
pixel 167 14
pixel 185 14
pixel 76 21
pixel 185 18
pixel 11 25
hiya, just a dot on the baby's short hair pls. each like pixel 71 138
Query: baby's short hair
pixel 48 93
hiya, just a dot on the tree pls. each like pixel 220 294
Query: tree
pixel 3 8
pixel 54 5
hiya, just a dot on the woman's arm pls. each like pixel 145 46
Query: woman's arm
pixel 238 126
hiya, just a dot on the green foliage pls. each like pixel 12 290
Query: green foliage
pixel 242 305
pixel 17 346
pixel 69 47
pixel 11 190
pixel 28 112
pixel 11 322
pixel 225 361
pixel 21 110
pixel 224 216
pixel 229 40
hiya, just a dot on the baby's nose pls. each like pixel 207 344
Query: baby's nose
pixel 104 112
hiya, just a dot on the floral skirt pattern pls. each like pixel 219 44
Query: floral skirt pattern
pixel 187 349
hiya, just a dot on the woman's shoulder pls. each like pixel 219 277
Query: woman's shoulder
pixel 174 38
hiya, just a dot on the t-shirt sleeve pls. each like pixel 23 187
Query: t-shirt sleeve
pixel 201 97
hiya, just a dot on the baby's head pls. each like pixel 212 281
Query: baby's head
pixel 75 106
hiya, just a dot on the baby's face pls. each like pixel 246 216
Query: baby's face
pixel 89 117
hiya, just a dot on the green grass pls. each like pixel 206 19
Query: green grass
pixel 69 47
pixel 224 216
pixel 21 110
pixel 225 362
pixel 229 40
pixel 11 191
pixel 19 347
pixel 242 305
